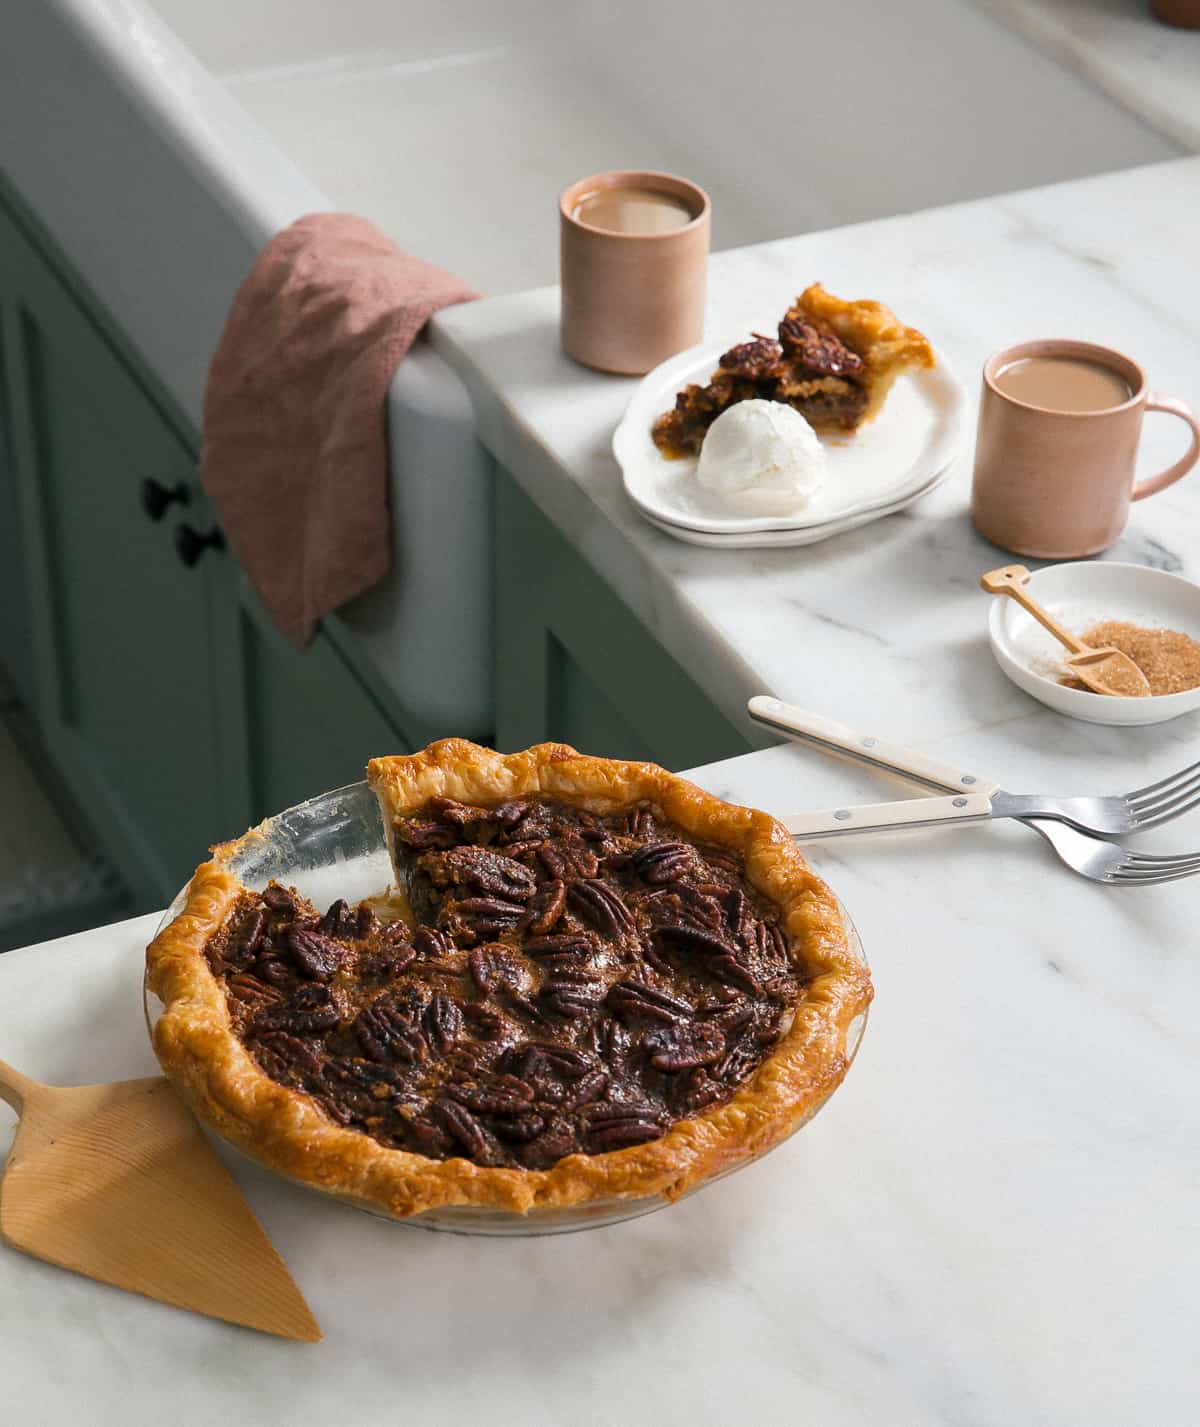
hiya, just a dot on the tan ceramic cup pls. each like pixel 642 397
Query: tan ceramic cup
pixel 1057 484
pixel 631 300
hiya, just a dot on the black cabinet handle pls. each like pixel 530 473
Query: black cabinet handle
pixel 156 497
pixel 190 544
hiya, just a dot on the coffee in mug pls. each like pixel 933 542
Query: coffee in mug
pixel 634 266
pixel 1063 384
pixel 632 210
pixel 1056 451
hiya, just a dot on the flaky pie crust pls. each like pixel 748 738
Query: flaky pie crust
pixel 287 1132
pixel 887 347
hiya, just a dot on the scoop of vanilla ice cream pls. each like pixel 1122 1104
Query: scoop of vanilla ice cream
pixel 762 458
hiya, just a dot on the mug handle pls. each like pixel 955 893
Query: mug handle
pixel 1153 484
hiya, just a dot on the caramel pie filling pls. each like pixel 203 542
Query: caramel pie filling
pixel 809 368
pixel 567 983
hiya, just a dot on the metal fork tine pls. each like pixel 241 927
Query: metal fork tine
pixel 1152 880
pixel 1168 811
pixel 1183 865
pixel 1175 798
pixel 1157 859
pixel 1141 795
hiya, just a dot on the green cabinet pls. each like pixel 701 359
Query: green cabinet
pixel 175 711
pixel 294 724
pixel 573 663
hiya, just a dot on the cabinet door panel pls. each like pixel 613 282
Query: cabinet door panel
pixel 299 722
pixel 121 638
pixel 573 663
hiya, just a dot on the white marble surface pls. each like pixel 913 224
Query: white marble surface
pixel 885 622
pixel 1119 47
pixel 992 1222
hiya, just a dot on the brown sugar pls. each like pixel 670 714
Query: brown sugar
pixel 1169 660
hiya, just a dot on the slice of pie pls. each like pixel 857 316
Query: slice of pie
pixel 607 984
pixel 833 361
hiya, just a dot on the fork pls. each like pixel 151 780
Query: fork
pixel 1110 817
pixel 1090 856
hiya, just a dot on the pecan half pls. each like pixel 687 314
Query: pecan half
pixel 386 1031
pixel 522 1129
pixel 754 361
pixel 735 1066
pixel 299 1020
pixel 599 905
pixel 562 1059
pixel 660 862
pixel 488 916
pixel 442 1022
pixel 635 998
pixel 771 944
pixel 568 857
pixel 685 1047
pixel 733 1016
pixel 284 1055
pixel 693 938
pixel 559 1138
pixel 432 941
pixel 487 872
pixel 462 1126
pixel 569 999
pixel 613 1127
pixel 272 969
pixel 552 899
pixel 491 967
pixel 565 944
pixel 427 1138
pixel 817 353
pixel 731 971
pixel 316 956
pixel 501 1095
pixel 249 989
pixel 242 945
pixel 280 899
pixel 587 1091
pixel 701 1090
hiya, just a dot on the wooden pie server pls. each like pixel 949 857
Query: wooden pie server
pixel 117 1182
pixel 1104 671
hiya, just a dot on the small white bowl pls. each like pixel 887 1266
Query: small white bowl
pixel 1080 595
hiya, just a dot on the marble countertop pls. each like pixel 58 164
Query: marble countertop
pixel 887 617
pixel 1117 45
pixel 992 1222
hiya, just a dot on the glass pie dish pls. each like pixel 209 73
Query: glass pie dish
pixel 333 846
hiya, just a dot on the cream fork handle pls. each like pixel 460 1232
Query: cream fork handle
pixel 889 817
pixel 865 748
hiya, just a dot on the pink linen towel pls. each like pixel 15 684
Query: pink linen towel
pixel 295 423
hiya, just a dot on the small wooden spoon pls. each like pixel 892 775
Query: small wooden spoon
pixel 117 1182
pixel 1104 671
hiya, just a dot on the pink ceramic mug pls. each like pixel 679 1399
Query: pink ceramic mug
pixel 1056 484
pixel 632 299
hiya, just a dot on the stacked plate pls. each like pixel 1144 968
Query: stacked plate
pixel 900 457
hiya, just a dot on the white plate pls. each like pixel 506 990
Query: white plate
pixel 767 539
pixel 914 439
pixel 1081 595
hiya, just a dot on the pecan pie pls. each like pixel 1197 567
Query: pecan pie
pixel 605 983
pixel 833 361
